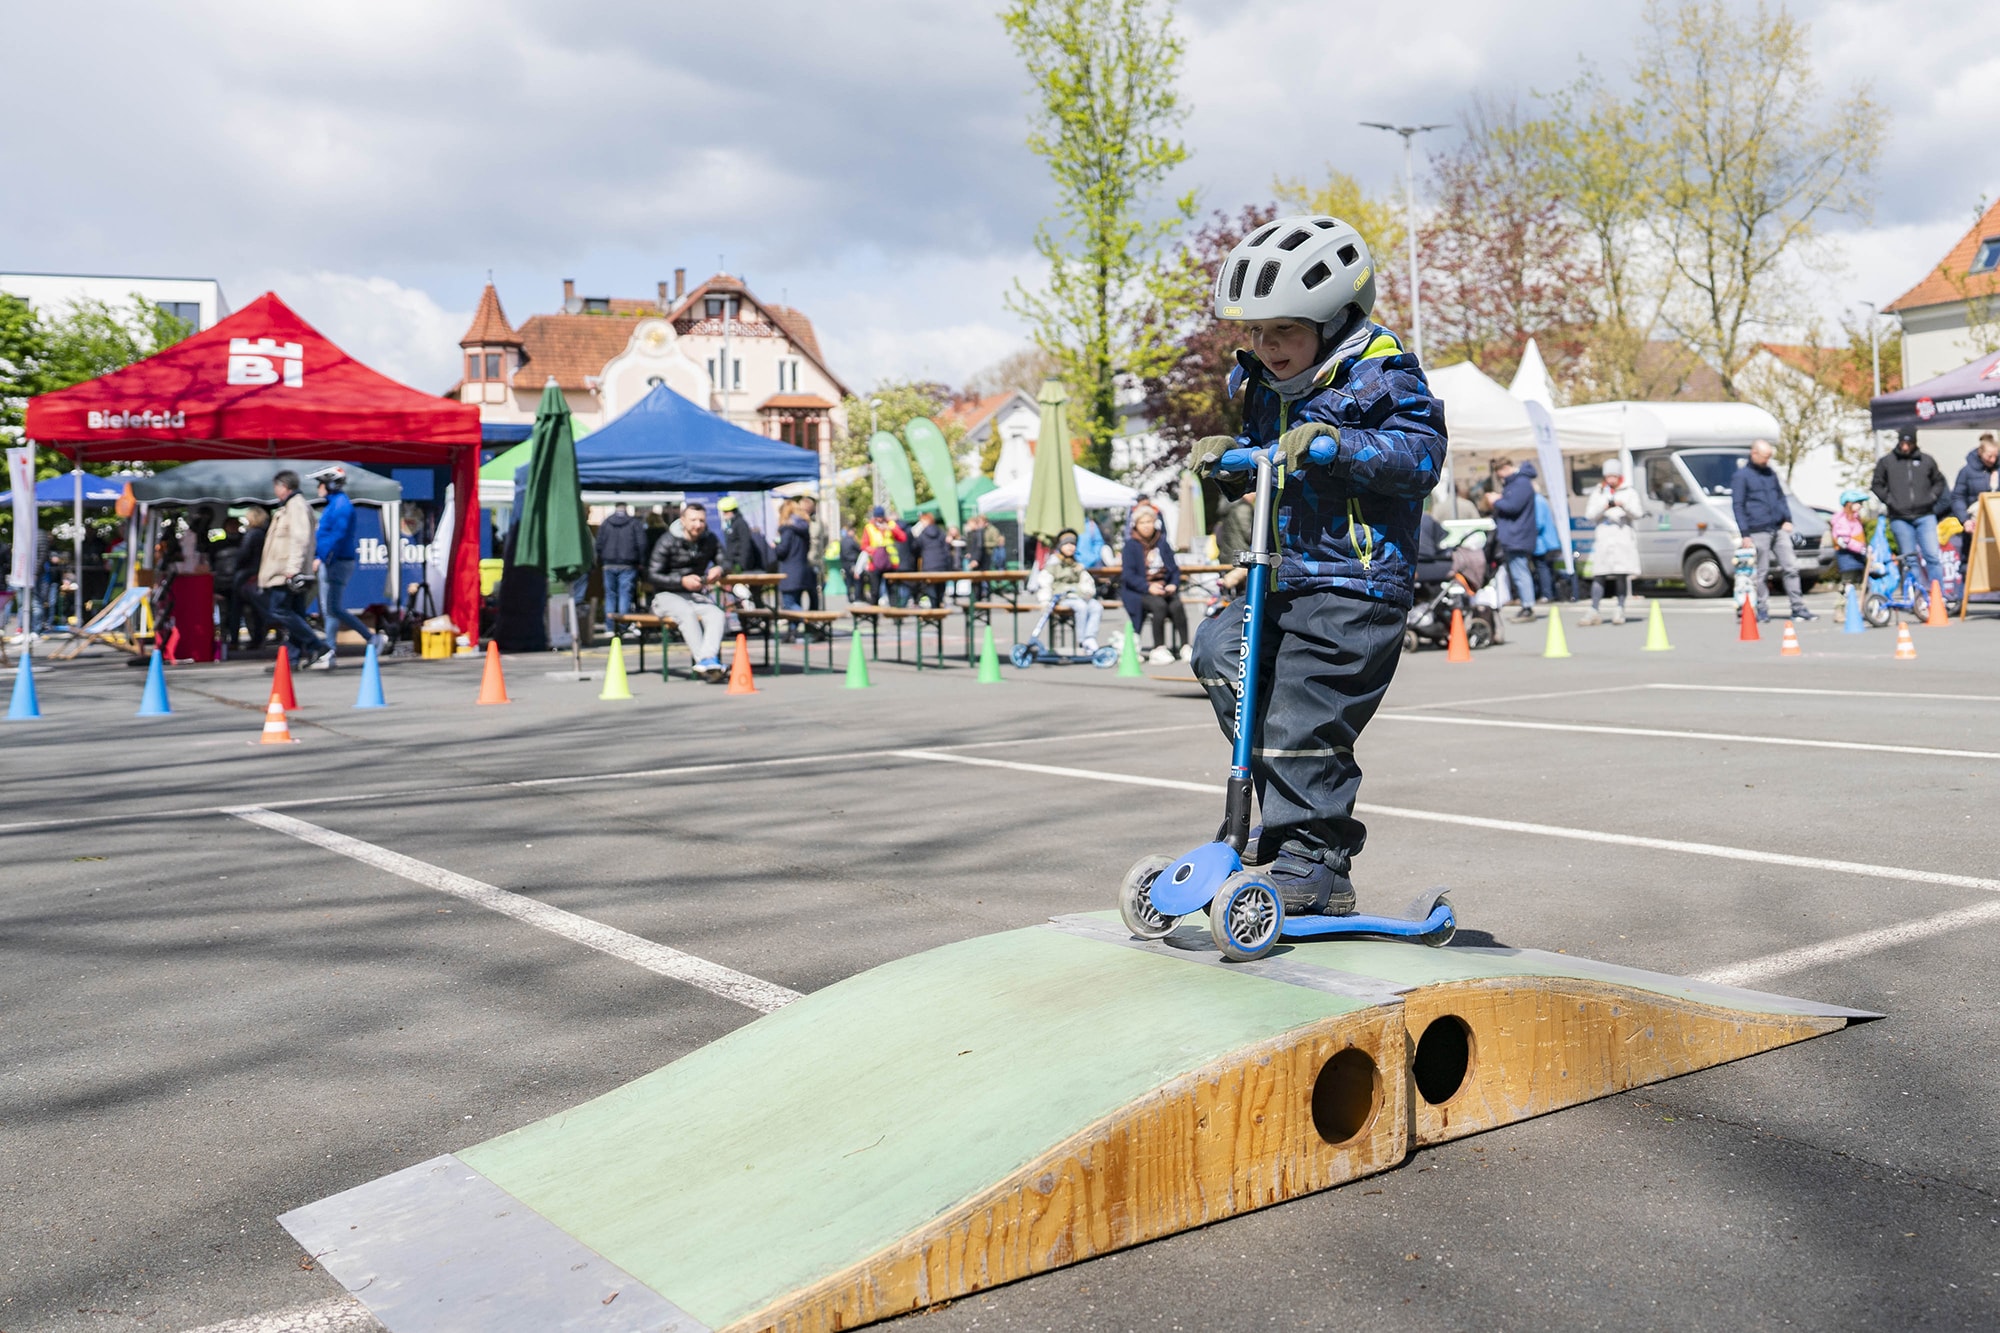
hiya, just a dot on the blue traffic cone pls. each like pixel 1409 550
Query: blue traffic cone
pixel 24 707
pixel 155 702
pixel 1855 624
pixel 370 695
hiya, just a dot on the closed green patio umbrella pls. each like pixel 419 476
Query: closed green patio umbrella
pixel 553 536
pixel 1052 499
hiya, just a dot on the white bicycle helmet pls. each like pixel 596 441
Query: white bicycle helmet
pixel 1307 267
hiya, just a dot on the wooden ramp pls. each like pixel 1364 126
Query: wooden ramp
pixel 1000 1107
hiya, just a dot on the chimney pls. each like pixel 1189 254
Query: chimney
pixel 570 304
pixel 680 283
pixel 663 296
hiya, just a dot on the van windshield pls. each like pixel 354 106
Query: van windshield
pixel 1714 471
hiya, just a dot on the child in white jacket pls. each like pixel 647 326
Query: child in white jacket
pixel 1063 581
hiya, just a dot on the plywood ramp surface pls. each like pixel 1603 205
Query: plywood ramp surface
pixel 1010 1104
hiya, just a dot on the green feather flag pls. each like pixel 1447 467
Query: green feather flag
pixel 892 469
pixel 933 455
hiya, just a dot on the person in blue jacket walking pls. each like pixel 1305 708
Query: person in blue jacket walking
pixel 1319 371
pixel 1764 518
pixel 1516 529
pixel 336 551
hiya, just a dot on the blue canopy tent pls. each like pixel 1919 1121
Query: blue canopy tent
pixel 97 491
pixel 667 443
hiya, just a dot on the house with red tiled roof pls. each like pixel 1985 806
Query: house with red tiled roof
pixel 1953 314
pixel 1013 418
pixel 755 363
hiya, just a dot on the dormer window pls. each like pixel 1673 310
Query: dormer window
pixel 715 307
pixel 596 305
pixel 1987 257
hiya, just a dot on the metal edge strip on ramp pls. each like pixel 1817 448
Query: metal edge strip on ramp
pixel 439 1248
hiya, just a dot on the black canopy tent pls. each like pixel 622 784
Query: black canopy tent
pixel 242 481
pixel 1964 399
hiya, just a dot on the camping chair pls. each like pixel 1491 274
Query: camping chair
pixel 108 626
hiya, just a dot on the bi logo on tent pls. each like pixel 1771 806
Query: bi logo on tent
pixel 264 361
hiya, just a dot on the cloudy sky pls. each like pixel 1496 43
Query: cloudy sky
pixel 372 161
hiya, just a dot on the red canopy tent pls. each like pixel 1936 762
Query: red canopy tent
pixel 263 383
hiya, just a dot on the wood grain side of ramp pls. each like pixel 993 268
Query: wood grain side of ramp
pixel 1284 1118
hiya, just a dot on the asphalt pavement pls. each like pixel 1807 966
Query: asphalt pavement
pixel 205 1022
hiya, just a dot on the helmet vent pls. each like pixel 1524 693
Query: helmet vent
pixel 1262 236
pixel 1267 277
pixel 1236 279
pixel 1325 224
pixel 1348 254
pixel 1295 240
pixel 1314 276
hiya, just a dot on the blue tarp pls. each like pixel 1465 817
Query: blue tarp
pixel 97 491
pixel 667 443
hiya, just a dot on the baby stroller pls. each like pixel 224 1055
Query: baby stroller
pixel 1893 583
pixel 1035 650
pixel 1438 595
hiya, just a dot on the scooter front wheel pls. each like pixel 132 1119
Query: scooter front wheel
pixel 1023 655
pixel 1135 899
pixel 1875 610
pixel 1245 917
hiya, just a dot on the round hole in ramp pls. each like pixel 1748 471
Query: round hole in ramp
pixel 1444 1054
pixel 1345 1096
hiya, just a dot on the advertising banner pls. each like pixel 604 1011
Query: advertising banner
pixel 21 481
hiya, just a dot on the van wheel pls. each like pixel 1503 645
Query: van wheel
pixel 1807 582
pixel 1703 574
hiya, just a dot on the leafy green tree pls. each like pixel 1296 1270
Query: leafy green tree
pixel 1104 75
pixel 40 353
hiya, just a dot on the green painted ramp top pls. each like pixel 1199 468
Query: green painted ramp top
pixel 825 1132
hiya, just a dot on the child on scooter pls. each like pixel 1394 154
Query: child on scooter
pixel 1063 581
pixel 1362 443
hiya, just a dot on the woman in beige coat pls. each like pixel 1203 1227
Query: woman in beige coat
pixel 1613 507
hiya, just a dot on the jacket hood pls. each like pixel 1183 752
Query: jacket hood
pixel 1972 460
pixel 1529 471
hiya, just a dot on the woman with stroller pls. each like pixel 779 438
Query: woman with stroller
pixel 1149 584
pixel 1614 549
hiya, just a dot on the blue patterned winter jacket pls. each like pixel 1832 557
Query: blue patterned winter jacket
pixel 1351 524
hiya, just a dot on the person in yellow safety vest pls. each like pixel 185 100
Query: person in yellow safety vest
pixel 879 555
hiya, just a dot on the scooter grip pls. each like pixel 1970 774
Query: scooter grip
pixel 1323 451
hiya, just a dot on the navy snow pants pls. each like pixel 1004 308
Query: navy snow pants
pixel 1328 658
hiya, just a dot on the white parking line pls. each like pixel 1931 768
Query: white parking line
pixel 1511 699
pixel 1840 694
pixel 1670 734
pixel 341 1314
pixel 1850 946
pixel 714 978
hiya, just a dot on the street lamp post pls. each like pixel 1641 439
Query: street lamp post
pixel 1874 347
pixel 1409 133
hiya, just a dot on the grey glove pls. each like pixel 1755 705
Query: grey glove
pixel 1205 451
pixel 1295 443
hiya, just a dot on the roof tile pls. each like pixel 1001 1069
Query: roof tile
pixel 489 323
pixel 1953 279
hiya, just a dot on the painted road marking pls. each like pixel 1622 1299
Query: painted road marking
pixel 1842 694
pixel 1511 699
pixel 342 1314
pixel 841 757
pixel 714 978
pixel 1727 736
pixel 1850 946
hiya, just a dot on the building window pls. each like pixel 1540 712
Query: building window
pixel 472 365
pixel 713 307
pixel 1987 257
pixel 493 365
pixel 189 312
pixel 596 305
pixel 736 378
pixel 788 377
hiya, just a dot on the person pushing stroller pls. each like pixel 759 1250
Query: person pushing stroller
pixel 1362 441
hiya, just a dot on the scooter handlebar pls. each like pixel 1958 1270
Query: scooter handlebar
pixel 1245 460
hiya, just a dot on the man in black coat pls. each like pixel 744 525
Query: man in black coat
pixel 621 545
pixel 743 549
pixel 931 545
pixel 1909 484
pixel 685 567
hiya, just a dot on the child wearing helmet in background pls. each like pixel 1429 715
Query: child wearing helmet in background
pixel 1850 537
pixel 1362 443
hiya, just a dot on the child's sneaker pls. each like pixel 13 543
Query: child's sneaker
pixel 1311 888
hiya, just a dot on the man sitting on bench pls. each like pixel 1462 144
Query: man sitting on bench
pixel 686 564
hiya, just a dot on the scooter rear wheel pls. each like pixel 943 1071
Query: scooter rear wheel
pixel 1135 899
pixel 1245 917
pixel 1875 610
pixel 1023 655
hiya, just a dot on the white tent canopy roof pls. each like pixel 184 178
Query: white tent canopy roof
pixel 1479 414
pixel 1531 380
pixel 1651 425
pixel 1096 493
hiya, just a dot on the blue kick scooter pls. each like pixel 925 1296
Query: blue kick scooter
pixel 1246 917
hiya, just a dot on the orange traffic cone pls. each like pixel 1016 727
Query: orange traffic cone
pixel 1747 628
pixel 739 669
pixel 1906 647
pixel 493 686
pixel 1790 647
pixel 1937 618
pixel 281 679
pixel 1456 648
pixel 276 730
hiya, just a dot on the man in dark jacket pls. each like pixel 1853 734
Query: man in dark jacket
pixel 743 549
pixel 931 545
pixel 1909 484
pixel 621 545
pixel 687 563
pixel 1764 518
pixel 1514 527
pixel 1980 474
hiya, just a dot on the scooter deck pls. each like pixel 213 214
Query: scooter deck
pixel 999 1107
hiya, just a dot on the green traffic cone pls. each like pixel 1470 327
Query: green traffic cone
pixel 1128 653
pixel 857 665
pixel 1656 630
pixel 989 660
pixel 1557 645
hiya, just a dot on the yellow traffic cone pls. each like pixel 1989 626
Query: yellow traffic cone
pixel 1656 630
pixel 1557 645
pixel 615 684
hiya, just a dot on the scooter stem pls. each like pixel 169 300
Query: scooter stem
pixel 1236 819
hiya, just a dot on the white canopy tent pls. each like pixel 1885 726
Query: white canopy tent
pixel 1096 493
